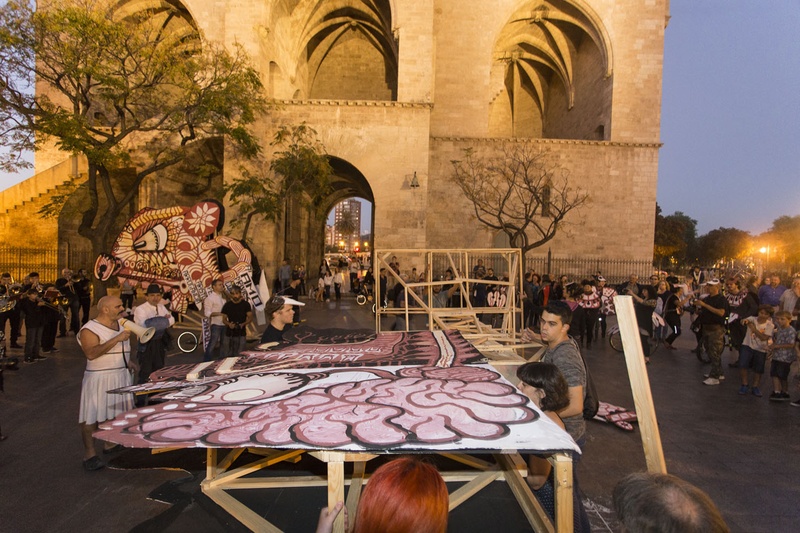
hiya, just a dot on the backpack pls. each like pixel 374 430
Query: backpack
pixel 591 403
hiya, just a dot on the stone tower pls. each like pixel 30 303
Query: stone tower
pixel 396 89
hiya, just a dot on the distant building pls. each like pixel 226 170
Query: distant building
pixel 352 207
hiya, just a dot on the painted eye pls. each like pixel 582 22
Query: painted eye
pixel 154 240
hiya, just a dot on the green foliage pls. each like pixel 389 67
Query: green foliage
pixel 722 245
pixel 675 237
pixel 346 225
pixel 57 201
pixel 303 164
pixel 300 169
pixel 124 89
pixel 784 235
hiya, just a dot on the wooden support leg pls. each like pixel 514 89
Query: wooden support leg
pixel 336 491
pixel 562 477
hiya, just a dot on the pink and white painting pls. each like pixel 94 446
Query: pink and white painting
pixel 384 408
pixel 340 348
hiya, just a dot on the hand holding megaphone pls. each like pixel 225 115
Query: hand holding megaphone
pixel 144 334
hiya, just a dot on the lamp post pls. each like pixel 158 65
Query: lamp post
pixel 765 250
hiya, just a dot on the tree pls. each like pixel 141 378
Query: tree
pixel 675 236
pixel 300 170
pixel 722 245
pixel 122 90
pixel 522 193
pixel 785 235
pixel 346 225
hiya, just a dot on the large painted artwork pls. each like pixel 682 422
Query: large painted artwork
pixel 310 348
pixel 176 247
pixel 398 408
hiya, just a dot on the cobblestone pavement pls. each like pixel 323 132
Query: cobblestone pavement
pixel 742 450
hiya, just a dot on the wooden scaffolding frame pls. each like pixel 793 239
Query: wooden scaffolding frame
pixel 419 295
pixel 508 467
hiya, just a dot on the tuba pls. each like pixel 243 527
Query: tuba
pixel 6 303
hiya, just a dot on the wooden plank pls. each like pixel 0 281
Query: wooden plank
pixel 465 492
pixel 469 460
pixel 336 492
pixel 211 463
pixel 156 451
pixel 240 511
pixel 562 478
pixel 640 384
pixel 536 515
pixel 252 467
pixel 356 484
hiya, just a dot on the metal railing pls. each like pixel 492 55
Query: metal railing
pixel 48 262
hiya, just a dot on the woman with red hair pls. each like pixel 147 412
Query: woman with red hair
pixel 402 496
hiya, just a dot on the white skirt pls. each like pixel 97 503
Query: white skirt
pixel 96 404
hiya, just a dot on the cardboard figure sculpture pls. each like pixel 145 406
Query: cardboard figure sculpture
pixel 176 248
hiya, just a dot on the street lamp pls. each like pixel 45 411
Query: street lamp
pixel 765 250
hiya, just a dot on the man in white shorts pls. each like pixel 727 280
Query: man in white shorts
pixel 109 366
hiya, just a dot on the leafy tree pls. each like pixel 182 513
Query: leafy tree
pixel 300 171
pixel 723 245
pixel 785 236
pixel 120 89
pixel 521 192
pixel 675 236
pixel 346 225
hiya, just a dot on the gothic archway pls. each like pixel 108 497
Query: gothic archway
pixel 552 74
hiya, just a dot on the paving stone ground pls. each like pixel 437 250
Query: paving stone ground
pixel 742 450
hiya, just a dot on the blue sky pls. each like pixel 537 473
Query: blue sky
pixel 730 119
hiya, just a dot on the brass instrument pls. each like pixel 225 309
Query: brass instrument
pixel 6 303
pixel 53 299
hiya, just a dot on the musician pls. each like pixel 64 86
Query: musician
pixel 61 285
pixel 70 291
pixel 33 308
pixel 108 366
pixel 13 314
pixel 152 313
pixel 84 290
pixel 52 316
pixel 32 282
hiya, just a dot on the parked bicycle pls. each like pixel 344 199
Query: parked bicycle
pixel 615 338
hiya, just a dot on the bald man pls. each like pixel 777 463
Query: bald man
pixel 109 366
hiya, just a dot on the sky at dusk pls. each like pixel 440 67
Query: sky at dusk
pixel 730 119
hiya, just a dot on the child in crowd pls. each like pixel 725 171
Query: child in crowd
pixel 783 355
pixel 753 352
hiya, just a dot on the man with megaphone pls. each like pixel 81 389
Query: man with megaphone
pixel 109 366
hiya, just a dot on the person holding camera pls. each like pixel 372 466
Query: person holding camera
pixel 711 318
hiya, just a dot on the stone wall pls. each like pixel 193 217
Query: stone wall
pixel 449 82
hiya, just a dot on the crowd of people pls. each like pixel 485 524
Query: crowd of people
pixel 759 320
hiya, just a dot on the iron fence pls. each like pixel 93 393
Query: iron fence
pixel 48 262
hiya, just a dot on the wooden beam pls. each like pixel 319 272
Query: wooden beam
pixel 536 515
pixel 240 511
pixel 640 384
pixel 564 486
pixel 465 492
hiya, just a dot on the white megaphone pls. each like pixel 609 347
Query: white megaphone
pixel 144 334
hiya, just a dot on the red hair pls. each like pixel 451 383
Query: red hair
pixel 404 496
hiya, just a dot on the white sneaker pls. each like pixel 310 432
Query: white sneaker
pixel 721 377
pixel 711 381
